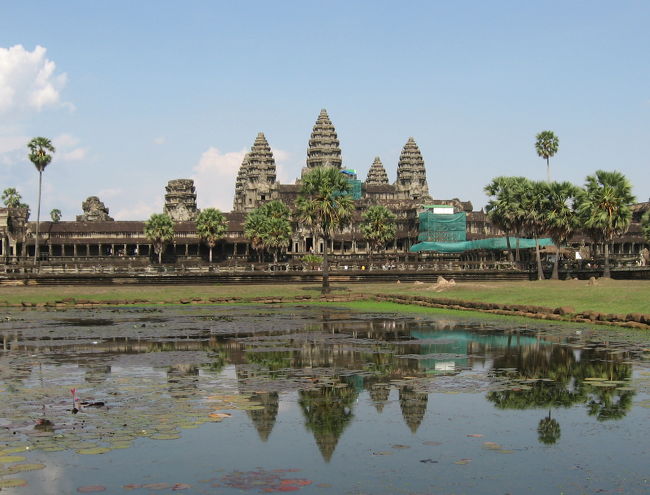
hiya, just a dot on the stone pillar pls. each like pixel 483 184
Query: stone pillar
pixel 99 249
pixel 187 249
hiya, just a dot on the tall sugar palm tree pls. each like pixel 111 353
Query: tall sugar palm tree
pixel 159 229
pixel 325 205
pixel 546 145
pixel 560 216
pixel 603 208
pixel 40 154
pixel 211 225
pixel 378 227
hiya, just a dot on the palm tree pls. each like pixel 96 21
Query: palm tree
pixel 604 208
pixel 548 430
pixel 560 216
pixel 546 146
pixel 325 205
pixel 39 154
pixel 159 229
pixel 534 205
pixel 504 209
pixel 378 227
pixel 254 228
pixel 276 235
pixel 11 198
pixel 55 215
pixel 211 225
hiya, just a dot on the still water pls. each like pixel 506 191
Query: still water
pixel 223 400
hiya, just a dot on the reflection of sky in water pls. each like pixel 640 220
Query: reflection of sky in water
pixel 402 429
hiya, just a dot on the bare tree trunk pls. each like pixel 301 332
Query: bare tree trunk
pixel 210 256
pixel 38 215
pixel 555 275
pixel 509 247
pixel 326 268
pixel 540 270
pixel 160 256
pixel 606 272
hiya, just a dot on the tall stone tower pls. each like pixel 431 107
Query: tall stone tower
pixel 180 200
pixel 323 145
pixel 411 174
pixel 256 181
pixel 377 174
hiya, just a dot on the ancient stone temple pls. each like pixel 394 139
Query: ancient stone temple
pixel 411 174
pixel 180 200
pixel 256 181
pixel 94 211
pixel 377 174
pixel 323 144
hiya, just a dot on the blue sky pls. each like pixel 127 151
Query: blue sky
pixel 134 94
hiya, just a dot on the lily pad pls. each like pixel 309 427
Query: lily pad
pixel 6 459
pixel 94 451
pixel 12 483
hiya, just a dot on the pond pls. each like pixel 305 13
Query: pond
pixel 224 400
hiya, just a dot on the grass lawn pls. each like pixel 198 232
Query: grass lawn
pixel 607 296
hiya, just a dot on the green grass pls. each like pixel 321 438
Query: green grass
pixel 608 296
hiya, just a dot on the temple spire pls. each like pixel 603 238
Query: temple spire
pixel 256 183
pixel 377 174
pixel 411 174
pixel 323 144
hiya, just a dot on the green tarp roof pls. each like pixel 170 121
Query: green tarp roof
pixel 498 243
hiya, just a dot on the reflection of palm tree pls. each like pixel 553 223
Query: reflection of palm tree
pixel 606 403
pixel 328 412
pixel 413 405
pixel 548 431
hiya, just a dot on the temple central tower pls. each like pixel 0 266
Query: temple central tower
pixel 411 174
pixel 323 145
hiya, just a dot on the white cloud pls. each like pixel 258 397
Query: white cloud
pixel 215 174
pixel 159 140
pixel 28 80
pixel 141 210
pixel 68 149
pixel 214 177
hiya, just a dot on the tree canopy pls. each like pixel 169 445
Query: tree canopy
pixel 211 225
pixel 546 145
pixel 325 206
pixel 604 208
pixel 159 229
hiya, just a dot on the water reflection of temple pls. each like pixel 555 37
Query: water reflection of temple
pixel 333 362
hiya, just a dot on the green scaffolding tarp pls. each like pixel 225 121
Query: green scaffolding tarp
pixel 442 227
pixel 498 243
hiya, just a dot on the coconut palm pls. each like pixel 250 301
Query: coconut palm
pixel 40 150
pixel 325 205
pixel 378 227
pixel 604 210
pixel 159 229
pixel 211 225
pixel 560 216
pixel 546 145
